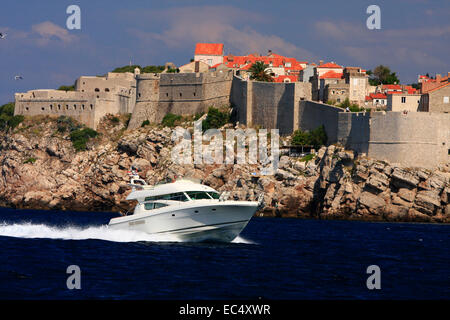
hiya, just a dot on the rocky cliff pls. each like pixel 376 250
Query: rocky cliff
pixel 41 169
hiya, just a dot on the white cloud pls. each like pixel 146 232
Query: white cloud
pixel 228 25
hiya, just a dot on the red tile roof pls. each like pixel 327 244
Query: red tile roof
pixel 440 87
pixel 209 49
pixel 281 78
pixel 329 65
pixel 378 96
pixel 331 75
pixel 392 86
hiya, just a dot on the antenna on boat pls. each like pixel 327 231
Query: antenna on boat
pixel 135 181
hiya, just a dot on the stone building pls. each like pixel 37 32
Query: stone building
pixel 194 66
pixel 93 98
pixel 209 53
pixel 403 102
pixel 437 99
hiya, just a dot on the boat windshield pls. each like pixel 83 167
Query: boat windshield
pixel 199 195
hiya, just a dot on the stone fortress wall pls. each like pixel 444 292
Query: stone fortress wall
pixel 408 138
pixel 179 93
pixel 93 98
pixel 267 104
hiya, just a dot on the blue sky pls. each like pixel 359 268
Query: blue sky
pixel 414 36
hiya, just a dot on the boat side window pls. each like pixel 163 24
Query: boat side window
pixel 151 206
pixel 198 195
pixel 179 196
pixel 214 195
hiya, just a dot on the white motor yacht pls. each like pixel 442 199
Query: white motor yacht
pixel 186 209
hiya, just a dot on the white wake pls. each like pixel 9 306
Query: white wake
pixel 103 232
pixel 33 231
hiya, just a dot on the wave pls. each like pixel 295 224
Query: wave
pixel 103 232
pixel 42 231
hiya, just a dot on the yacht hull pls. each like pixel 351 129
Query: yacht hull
pixel 201 220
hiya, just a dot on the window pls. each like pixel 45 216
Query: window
pixel 67 107
pixel 446 99
pixel 42 108
pixel 26 108
pixel 160 205
pixel 181 94
pixel 59 107
pixel 75 107
pixel 51 107
pixel 92 107
pixel 167 94
pixel 97 89
pixel 179 196
pixel 106 90
pixel 210 61
pixel 151 206
pixel 214 195
pixel 198 195
pixel 82 106
pixel 403 99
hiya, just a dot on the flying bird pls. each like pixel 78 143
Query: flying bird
pixel 18 78
pixel 3 35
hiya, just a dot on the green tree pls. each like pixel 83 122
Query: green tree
pixel 316 138
pixel 7 117
pixel 259 72
pixel 215 119
pixel 382 75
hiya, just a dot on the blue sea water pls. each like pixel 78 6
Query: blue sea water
pixel 274 258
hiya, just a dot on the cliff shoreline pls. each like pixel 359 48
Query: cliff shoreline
pixel 40 169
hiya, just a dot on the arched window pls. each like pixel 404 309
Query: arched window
pixel 51 107
pixel 67 107
pixel 75 107
pixel 92 107
pixel 82 106
pixel 106 89
pixel 97 90
pixel 59 107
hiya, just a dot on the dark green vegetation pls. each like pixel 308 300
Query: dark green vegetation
pixel 353 107
pixel 7 117
pixel 147 69
pixel 171 120
pixel 67 88
pixel 382 75
pixel 30 160
pixel 316 138
pixel 78 135
pixel 145 123
pixel 215 119
pixel 259 72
